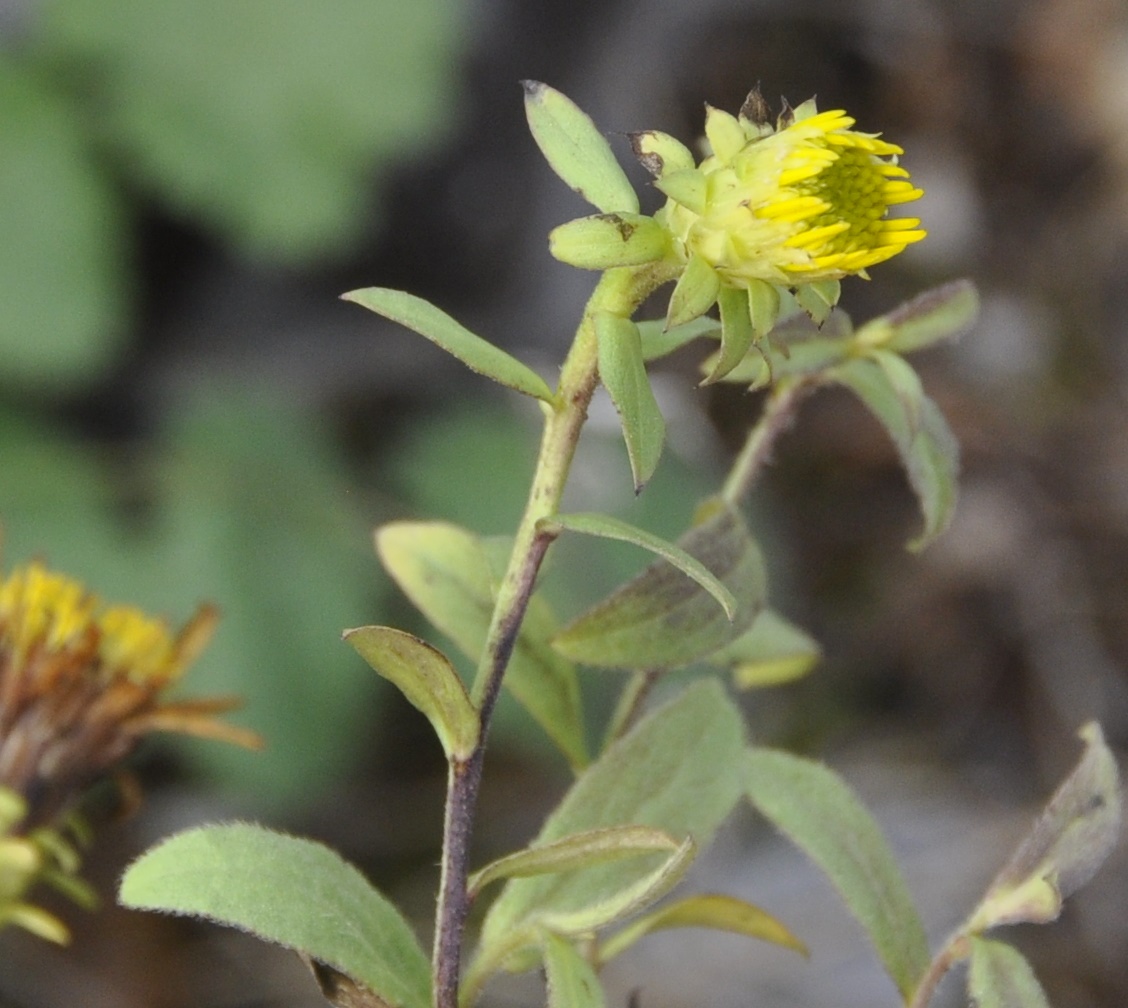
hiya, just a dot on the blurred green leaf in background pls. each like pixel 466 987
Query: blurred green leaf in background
pixel 266 127
pixel 239 505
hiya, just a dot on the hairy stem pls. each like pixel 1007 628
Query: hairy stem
pixel 778 414
pixel 620 291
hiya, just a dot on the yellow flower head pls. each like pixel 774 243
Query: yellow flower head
pixel 803 202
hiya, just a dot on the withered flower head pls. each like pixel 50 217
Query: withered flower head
pixel 80 684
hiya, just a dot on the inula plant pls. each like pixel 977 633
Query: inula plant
pixel 763 229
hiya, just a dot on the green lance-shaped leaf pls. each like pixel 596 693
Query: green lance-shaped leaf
pixel 936 315
pixel 737 334
pixel 606 241
pixel 711 910
pixel 677 770
pixel 662 619
pixel 625 900
pixel 445 571
pixel 612 528
pixel 428 680
pixel 658 341
pixel 623 373
pixel 571 981
pixel 1068 843
pixel 286 890
pixel 771 652
pixel 517 951
pixel 436 325
pixel 1000 977
pixel 694 294
pixel 580 850
pixel 576 150
pixel 817 811
pixel 924 442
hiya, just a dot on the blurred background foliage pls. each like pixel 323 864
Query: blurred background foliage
pixel 187 413
pixel 263 129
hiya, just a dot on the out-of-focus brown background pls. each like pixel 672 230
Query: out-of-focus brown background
pixel 188 412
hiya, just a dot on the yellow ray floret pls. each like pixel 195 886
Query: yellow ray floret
pixel 805 202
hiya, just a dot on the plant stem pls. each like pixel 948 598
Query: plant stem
pixel 954 949
pixel 778 414
pixel 620 291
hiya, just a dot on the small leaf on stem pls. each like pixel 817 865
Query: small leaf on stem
pixel 428 680
pixel 572 982
pixel 924 442
pixel 662 619
pixel 1068 843
pixel 817 811
pixel 715 911
pixel 576 150
pixel 445 570
pixel 579 850
pixel 677 770
pixel 936 315
pixel 771 652
pixel 436 325
pixel 1000 977
pixel 606 241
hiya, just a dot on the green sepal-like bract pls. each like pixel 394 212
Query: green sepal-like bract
pixel 661 154
pixel 737 334
pixel 694 294
pixel 623 373
pixel 605 241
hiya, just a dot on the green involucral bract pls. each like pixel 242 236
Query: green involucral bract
pixel 609 240
pixel 623 373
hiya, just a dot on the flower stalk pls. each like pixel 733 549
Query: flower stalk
pixel 619 292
